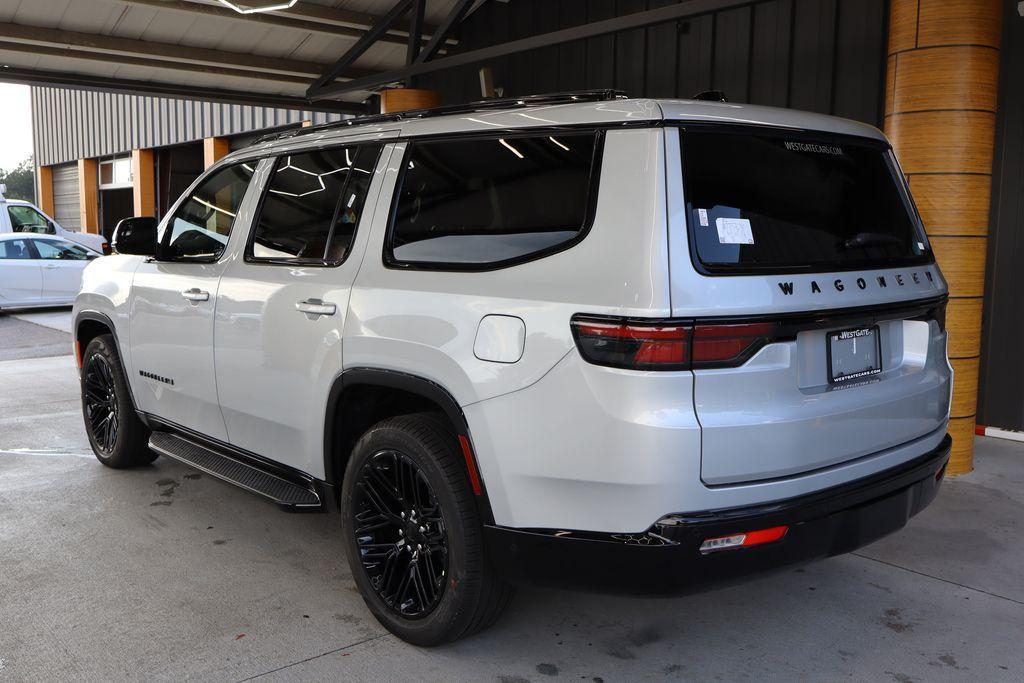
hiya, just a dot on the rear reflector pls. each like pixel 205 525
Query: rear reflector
pixel 659 345
pixel 744 540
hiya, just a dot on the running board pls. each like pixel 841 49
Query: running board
pixel 288 494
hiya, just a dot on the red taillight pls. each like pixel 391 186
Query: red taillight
pixel 744 540
pixel 727 343
pixel 656 345
pixel 639 346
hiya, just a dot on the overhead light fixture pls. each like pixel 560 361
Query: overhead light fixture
pixel 254 6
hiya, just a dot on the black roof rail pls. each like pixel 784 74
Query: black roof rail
pixel 479 105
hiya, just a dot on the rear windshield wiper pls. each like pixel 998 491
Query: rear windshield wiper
pixel 870 239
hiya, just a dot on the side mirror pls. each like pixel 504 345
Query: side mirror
pixel 135 236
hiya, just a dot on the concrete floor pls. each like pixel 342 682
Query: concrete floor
pixel 164 573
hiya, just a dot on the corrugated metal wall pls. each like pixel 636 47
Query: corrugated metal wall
pixel 1001 382
pixel 819 55
pixel 74 124
pixel 66 209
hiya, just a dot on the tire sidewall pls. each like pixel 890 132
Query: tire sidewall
pixel 452 608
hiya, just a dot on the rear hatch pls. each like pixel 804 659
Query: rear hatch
pixel 801 258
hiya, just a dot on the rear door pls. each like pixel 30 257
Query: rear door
pixel 281 307
pixel 21 277
pixel 818 308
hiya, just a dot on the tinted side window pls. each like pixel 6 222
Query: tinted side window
pixel 27 219
pixel 15 249
pixel 52 250
pixel 199 229
pixel 478 203
pixel 312 205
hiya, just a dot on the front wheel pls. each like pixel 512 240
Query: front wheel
pixel 413 536
pixel 117 435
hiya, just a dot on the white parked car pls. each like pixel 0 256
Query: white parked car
pixel 40 270
pixel 601 342
pixel 25 217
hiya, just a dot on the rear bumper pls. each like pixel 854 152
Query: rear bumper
pixel 667 558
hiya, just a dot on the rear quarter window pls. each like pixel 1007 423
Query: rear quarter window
pixel 483 203
pixel 772 201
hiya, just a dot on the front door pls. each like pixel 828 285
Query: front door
pixel 173 299
pixel 62 264
pixel 281 309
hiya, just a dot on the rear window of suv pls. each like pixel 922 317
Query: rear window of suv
pixel 766 201
pixel 482 203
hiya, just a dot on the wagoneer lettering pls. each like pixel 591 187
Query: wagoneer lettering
pixel 505 347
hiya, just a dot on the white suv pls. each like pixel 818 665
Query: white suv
pixel 17 215
pixel 585 340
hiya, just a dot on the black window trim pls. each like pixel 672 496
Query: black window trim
pixel 726 270
pixel 164 244
pixel 593 187
pixel 247 254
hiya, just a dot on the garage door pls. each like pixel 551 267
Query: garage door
pixel 66 208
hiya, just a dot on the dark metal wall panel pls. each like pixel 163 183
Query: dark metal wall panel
pixel 66 207
pixel 1001 381
pixel 819 55
pixel 74 124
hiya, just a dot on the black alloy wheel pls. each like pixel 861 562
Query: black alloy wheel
pixel 100 402
pixel 400 533
pixel 117 436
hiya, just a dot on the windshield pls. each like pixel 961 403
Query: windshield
pixel 765 200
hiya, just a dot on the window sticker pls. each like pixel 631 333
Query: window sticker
pixel 734 231
pixel 702 214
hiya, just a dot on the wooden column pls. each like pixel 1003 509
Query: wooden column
pixel 89 195
pixel 941 87
pixel 44 193
pixel 403 99
pixel 213 150
pixel 143 182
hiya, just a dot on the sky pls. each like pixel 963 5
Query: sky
pixel 15 125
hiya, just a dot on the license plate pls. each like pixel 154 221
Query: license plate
pixel 854 354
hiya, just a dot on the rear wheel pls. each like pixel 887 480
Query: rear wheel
pixel 413 536
pixel 117 435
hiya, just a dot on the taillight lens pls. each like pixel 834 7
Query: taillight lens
pixel 639 346
pixel 658 345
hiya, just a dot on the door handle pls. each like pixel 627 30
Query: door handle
pixel 195 295
pixel 315 307
pixel 50 266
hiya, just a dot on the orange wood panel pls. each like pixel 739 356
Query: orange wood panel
pixel 946 78
pixel 902 25
pixel 143 182
pixel 943 141
pixel 962 22
pixel 403 99
pixel 965 387
pixel 963 322
pixel 44 193
pixel 962 260
pixel 89 194
pixel 961 460
pixel 890 83
pixel 953 204
pixel 214 149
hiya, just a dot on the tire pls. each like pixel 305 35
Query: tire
pixel 458 592
pixel 120 441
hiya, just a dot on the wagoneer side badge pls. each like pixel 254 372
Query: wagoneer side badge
pixel 882 282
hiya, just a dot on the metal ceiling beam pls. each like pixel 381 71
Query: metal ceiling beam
pixel 456 14
pixel 176 65
pixel 363 44
pixel 115 46
pixel 329 22
pixel 598 28
pixel 132 87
